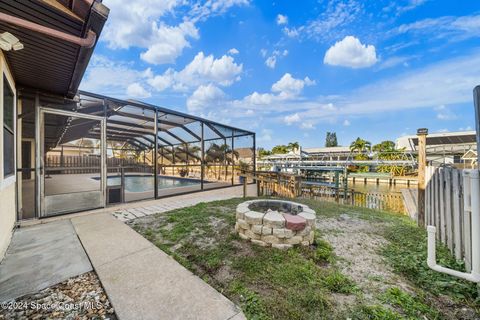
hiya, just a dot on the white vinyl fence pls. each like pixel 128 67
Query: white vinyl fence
pixel 447 207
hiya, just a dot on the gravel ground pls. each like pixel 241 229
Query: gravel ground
pixel 78 298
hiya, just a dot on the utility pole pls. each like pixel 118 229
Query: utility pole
pixel 422 164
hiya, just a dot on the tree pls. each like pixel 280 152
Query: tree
pixel 360 145
pixel 280 149
pixel 262 152
pixel 219 154
pixel 384 146
pixel 292 146
pixel 331 139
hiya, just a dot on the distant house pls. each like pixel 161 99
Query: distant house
pixel 470 158
pixel 444 147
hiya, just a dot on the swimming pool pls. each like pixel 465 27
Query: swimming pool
pixel 138 183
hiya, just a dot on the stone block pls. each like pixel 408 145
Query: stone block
pixel 294 240
pixel 257 228
pixel 243 236
pixel 259 242
pixel 279 233
pixel 252 235
pixel 266 230
pixel 305 243
pixel 243 207
pixel 281 246
pixel 274 219
pixel 304 232
pixel 288 233
pixel 243 224
pixel 311 236
pixel 308 210
pixel 253 217
pixel 240 215
pixel 309 217
pixel 295 223
pixel 270 239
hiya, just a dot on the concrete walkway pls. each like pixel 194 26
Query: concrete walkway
pixel 39 257
pixel 141 281
pixel 141 209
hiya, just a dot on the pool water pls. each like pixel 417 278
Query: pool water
pixel 145 183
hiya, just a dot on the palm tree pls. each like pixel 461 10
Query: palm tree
pixel 384 146
pixel 219 154
pixel 292 146
pixel 360 145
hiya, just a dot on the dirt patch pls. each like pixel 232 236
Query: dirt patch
pixel 356 242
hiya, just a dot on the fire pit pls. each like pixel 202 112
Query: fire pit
pixel 277 223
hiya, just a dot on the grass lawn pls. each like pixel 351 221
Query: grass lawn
pixel 380 275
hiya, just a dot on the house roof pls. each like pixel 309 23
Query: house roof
pixel 327 150
pixel 442 138
pixel 470 155
pixel 46 63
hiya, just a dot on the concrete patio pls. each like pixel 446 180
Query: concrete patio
pixel 39 257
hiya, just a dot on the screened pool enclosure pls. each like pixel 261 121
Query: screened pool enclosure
pixel 95 151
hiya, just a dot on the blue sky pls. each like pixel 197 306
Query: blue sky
pixel 292 70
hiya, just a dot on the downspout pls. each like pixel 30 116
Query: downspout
pixel 474 275
pixel 87 42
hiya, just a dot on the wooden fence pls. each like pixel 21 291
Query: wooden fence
pixel 56 164
pixel 447 207
pixel 291 186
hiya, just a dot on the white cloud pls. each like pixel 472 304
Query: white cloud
pixel 138 24
pixel 293 118
pixel 202 10
pixel 136 90
pixel 350 52
pixel 101 71
pixel 272 60
pixel 201 70
pixel 346 123
pixel 169 43
pixel 223 71
pixel 395 61
pixel 205 97
pixel 335 19
pixel 265 135
pixel 233 51
pixel 141 24
pixel 447 27
pixel 402 8
pixel 282 19
pixel 444 113
pixel 449 82
pixel 128 81
pixel 288 86
pixel 307 125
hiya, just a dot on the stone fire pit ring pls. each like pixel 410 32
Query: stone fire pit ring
pixel 277 223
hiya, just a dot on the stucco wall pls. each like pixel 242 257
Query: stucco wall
pixel 7 184
pixel 7 217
